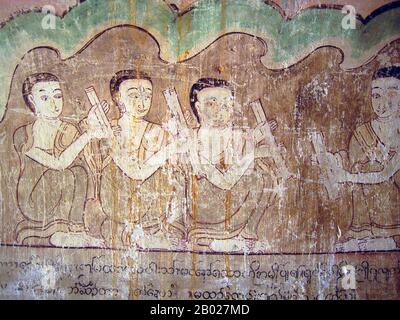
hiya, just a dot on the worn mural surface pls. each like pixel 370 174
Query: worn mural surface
pixel 200 150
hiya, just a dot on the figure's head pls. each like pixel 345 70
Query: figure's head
pixel 212 102
pixel 386 92
pixel 132 91
pixel 42 94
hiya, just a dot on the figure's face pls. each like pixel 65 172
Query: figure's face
pixel 47 99
pixel 386 97
pixel 135 97
pixel 215 106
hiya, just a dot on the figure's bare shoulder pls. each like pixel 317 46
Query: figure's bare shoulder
pixel 22 136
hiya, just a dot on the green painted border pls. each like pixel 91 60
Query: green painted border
pixel 181 37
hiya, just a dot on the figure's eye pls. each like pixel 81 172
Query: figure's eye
pixel 376 95
pixel 58 96
pixel 212 101
pixel 44 98
pixel 134 95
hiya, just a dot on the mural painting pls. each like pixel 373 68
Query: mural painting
pixel 156 137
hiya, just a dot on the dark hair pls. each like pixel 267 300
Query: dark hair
pixel 387 72
pixel 122 76
pixel 31 81
pixel 204 83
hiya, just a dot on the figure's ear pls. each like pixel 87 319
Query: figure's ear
pixel 120 104
pixel 199 112
pixel 197 106
pixel 32 102
pixel 30 98
pixel 118 97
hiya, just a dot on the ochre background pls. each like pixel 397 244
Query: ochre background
pixel 307 97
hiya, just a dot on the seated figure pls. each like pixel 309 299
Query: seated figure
pixel 52 184
pixel 137 186
pixel 230 186
pixel 373 165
